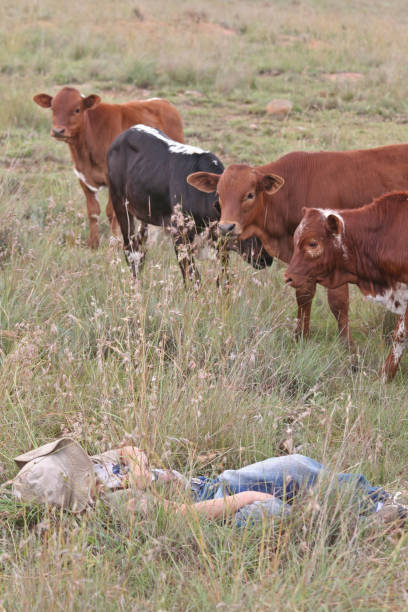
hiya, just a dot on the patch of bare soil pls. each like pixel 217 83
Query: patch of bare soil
pixel 286 40
pixel 200 18
pixel 317 44
pixel 344 76
pixel 215 28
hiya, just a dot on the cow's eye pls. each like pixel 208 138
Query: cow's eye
pixel 313 244
pixel 250 196
pixel 77 111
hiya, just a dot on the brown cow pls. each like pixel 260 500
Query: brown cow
pixel 368 247
pixel 266 201
pixel 89 127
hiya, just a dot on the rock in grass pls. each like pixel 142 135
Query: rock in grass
pixel 279 108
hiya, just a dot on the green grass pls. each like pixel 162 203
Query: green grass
pixel 204 382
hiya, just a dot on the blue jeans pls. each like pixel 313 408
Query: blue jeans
pixel 282 477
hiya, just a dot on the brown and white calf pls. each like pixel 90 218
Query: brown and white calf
pixel 89 127
pixel 367 246
pixel 266 201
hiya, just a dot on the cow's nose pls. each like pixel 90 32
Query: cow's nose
pixel 288 279
pixel 226 228
pixel 58 131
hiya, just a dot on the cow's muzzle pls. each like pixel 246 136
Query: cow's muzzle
pixel 59 132
pixel 226 229
pixel 291 280
pixel 295 280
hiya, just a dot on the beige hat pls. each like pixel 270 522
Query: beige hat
pixel 59 473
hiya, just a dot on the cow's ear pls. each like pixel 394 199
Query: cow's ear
pixel 304 210
pixel 91 101
pixel 43 100
pixel 271 183
pixel 204 181
pixel 333 224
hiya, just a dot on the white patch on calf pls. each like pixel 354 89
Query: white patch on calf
pixel 328 211
pixel 399 341
pixel 394 298
pixel 135 258
pixel 313 253
pixel 299 230
pixel 338 239
pixel 152 99
pixel 173 146
pixel 82 178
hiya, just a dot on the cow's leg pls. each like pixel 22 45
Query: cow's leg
pixel 114 224
pixel 126 222
pixel 94 210
pixel 339 305
pixel 182 241
pixel 140 244
pixel 304 297
pixel 399 342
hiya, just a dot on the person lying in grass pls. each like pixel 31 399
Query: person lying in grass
pixel 60 473
pixel 265 488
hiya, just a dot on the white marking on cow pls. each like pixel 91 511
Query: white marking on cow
pixel 328 211
pixel 82 178
pixel 135 258
pixel 299 230
pixel 394 298
pixel 314 253
pixel 338 239
pixel 399 341
pixel 173 146
pixel 151 99
pixel 215 162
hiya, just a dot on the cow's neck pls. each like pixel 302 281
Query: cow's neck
pixel 359 256
pixel 280 247
pixel 274 232
pixel 85 153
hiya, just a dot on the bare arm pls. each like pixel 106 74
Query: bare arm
pixel 219 508
pixel 136 460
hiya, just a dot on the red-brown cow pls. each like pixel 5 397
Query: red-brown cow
pixel 89 127
pixel 266 201
pixel 368 247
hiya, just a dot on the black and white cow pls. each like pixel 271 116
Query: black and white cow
pixel 148 181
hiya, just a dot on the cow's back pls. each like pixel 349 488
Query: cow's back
pixel 343 179
pixel 157 113
pixel 165 117
pixel 150 171
pixel 200 205
pixel 138 173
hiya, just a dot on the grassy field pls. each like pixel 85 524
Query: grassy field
pixel 201 382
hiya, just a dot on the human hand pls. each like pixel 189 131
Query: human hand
pixel 136 460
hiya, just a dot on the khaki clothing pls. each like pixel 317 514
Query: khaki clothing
pixel 62 474
pixel 58 474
